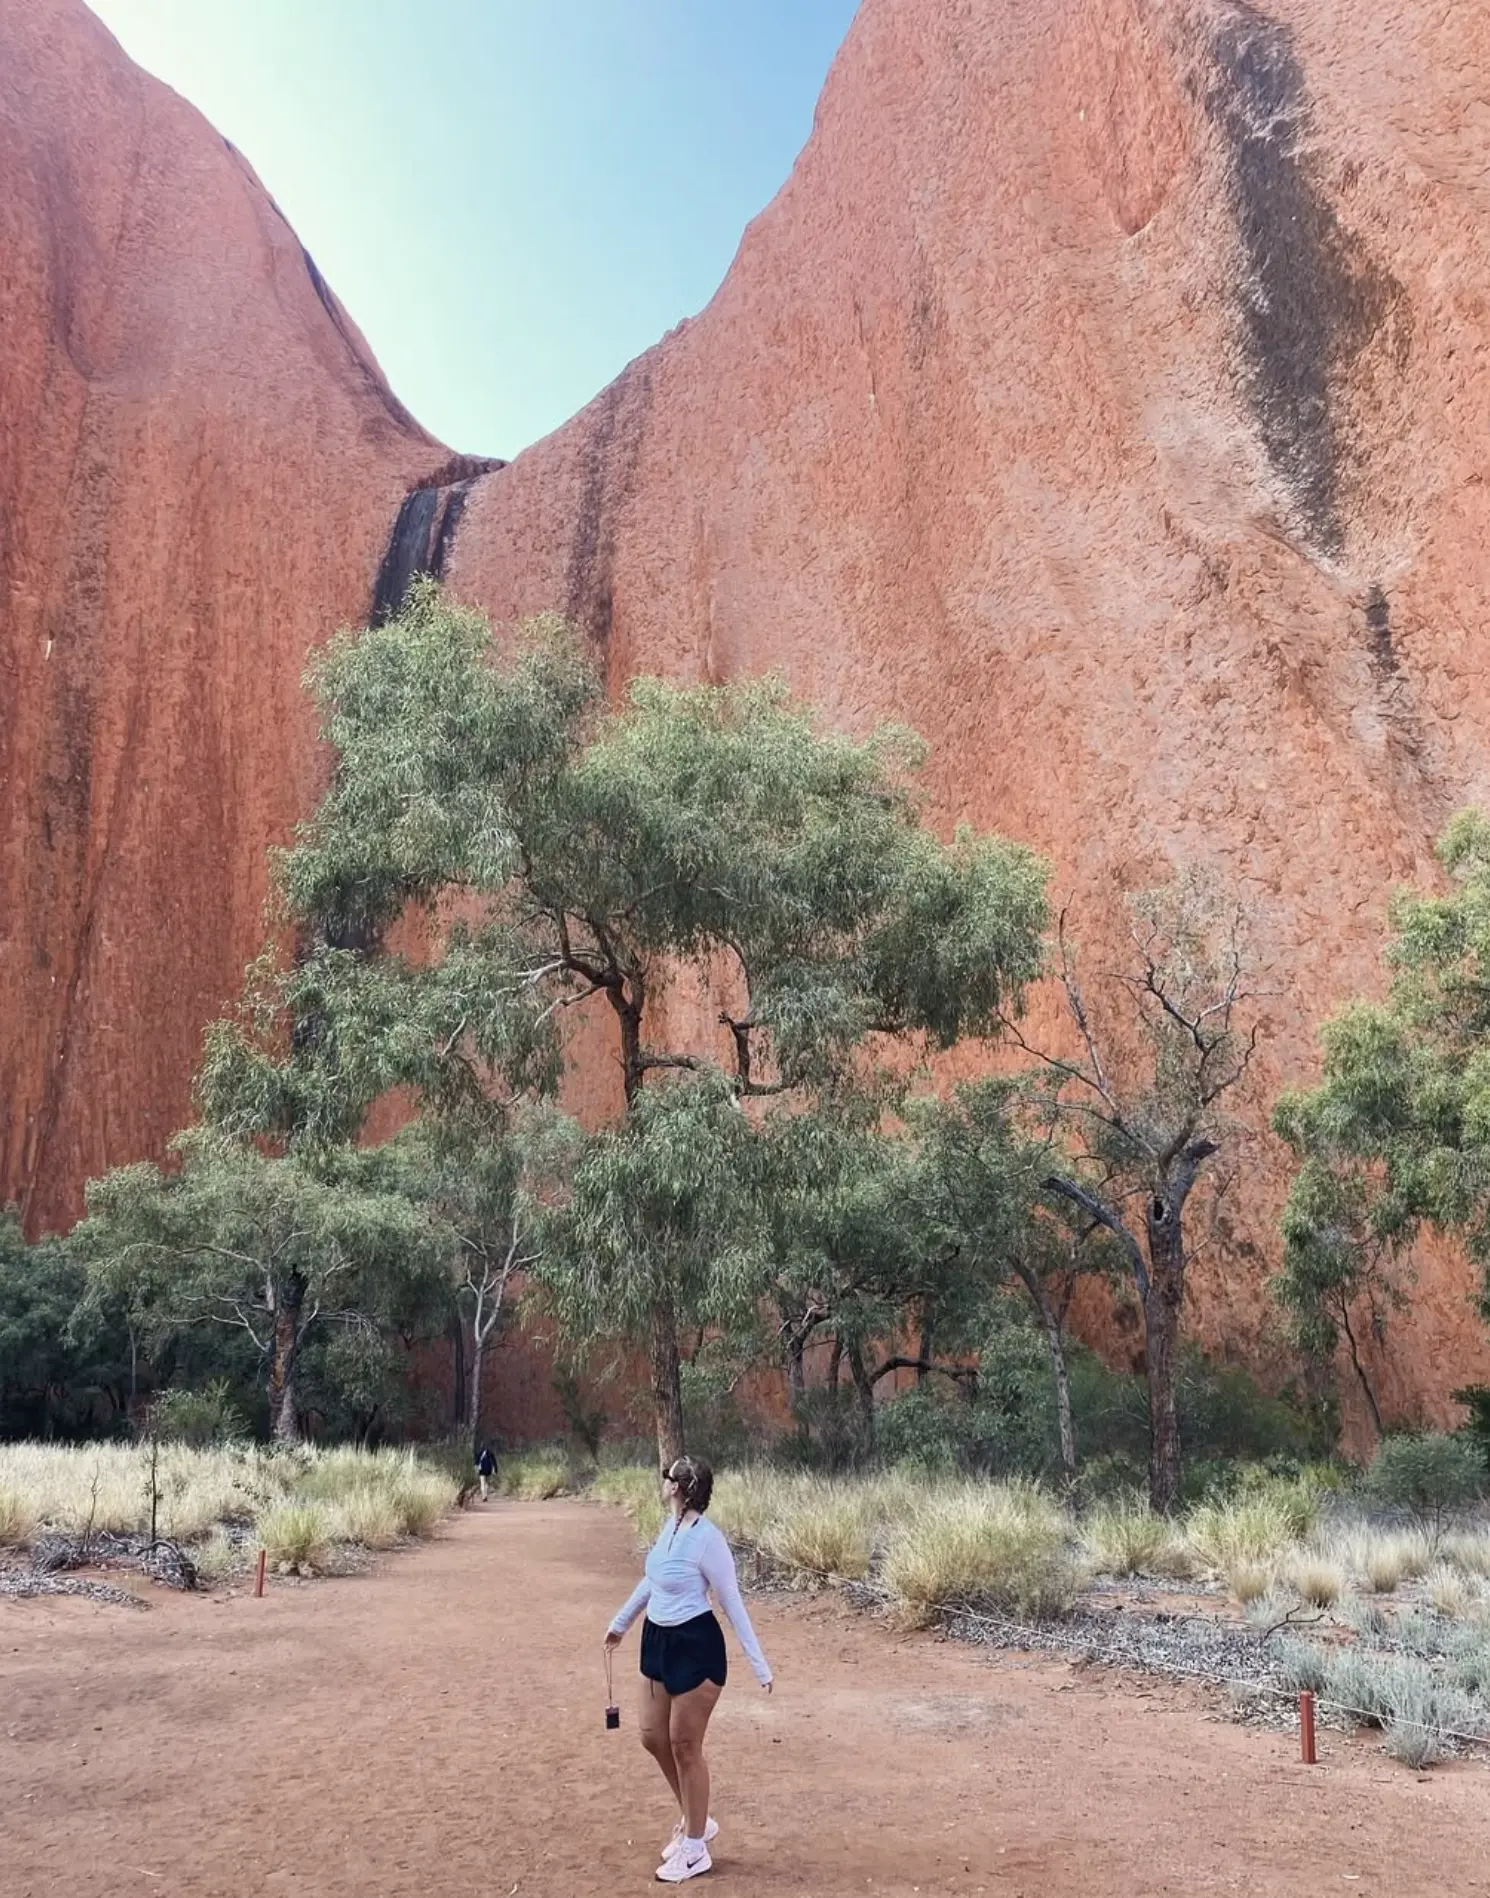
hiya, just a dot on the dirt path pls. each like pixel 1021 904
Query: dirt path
pixel 434 1731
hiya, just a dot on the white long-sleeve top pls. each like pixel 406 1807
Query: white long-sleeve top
pixel 683 1564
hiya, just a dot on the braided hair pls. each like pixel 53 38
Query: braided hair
pixel 695 1481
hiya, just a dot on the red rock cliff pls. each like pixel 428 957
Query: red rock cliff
pixel 1105 394
pixel 200 465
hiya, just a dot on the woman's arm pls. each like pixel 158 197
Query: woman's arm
pixel 717 1566
pixel 635 1602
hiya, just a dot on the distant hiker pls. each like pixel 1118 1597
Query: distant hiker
pixel 486 1468
pixel 683 1661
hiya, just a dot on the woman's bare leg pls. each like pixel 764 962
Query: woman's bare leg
pixel 689 1722
pixel 653 1713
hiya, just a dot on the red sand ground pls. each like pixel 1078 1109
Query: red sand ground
pixel 434 1731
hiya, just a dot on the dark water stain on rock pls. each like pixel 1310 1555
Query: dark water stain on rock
pixel 1379 631
pixel 612 451
pixel 1309 297
pixel 424 532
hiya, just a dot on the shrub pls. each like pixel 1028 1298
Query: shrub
pixel 1125 1537
pixel 294 1535
pixel 218 1556
pixel 944 1432
pixel 1472 1670
pixel 1004 1545
pixel 1359 1684
pixel 1115 1477
pixel 1271 1608
pixel 711 1410
pixel 1415 1713
pixel 1368 1619
pixel 1476 1400
pixel 830 1433
pixel 201 1419
pixel 1471 1553
pixel 1303 1667
pixel 1429 1474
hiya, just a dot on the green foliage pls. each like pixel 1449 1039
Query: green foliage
pixel 656 1212
pixel 1429 1474
pixel 1004 1427
pixel 264 1245
pixel 1476 1400
pixel 355 1378
pixel 61 1374
pixel 563 855
pixel 715 1423
pixel 201 1419
pixel 1397 1133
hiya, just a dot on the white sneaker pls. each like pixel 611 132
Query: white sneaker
pixel 678 1866
pixel 675 1843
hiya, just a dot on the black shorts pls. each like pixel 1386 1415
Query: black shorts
pixel 684 1657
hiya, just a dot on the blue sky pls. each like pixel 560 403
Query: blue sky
pixel 512 197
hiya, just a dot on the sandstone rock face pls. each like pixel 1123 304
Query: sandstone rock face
pixel 1105 395
pixel 200 465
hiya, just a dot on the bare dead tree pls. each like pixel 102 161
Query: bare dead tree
pixel 1141 1134
pixel 488 1274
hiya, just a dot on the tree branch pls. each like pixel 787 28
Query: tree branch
pixel 1099 1210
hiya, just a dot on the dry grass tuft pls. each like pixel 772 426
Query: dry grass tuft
pixel 18 1520
pixel 295 1536
pixel 1451 1593
pixel 1317 1580
pixel 1004 1544
pixel 634 1489
pixel 1250 1581
pixel 1127 1538
pixel 533 1476
pixel 1244 1529
pixel 823 1532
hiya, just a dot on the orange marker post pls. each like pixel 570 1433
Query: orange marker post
pixel 259 1572
pixel 1306 1729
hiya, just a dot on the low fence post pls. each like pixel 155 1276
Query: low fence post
pixel 259 1572
pixel 1306 1729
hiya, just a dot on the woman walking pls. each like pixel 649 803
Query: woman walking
pixel 683 1660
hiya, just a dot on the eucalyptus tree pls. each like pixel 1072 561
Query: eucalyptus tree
pixel 553 857
pixel 229 1235
pixel 981 1180
pixel 1396 1134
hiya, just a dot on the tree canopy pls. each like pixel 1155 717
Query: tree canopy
pixel 556 853
pixel 1396 1134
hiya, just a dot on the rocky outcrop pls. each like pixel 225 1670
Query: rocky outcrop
pixel 1105 395
pixel 201 463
